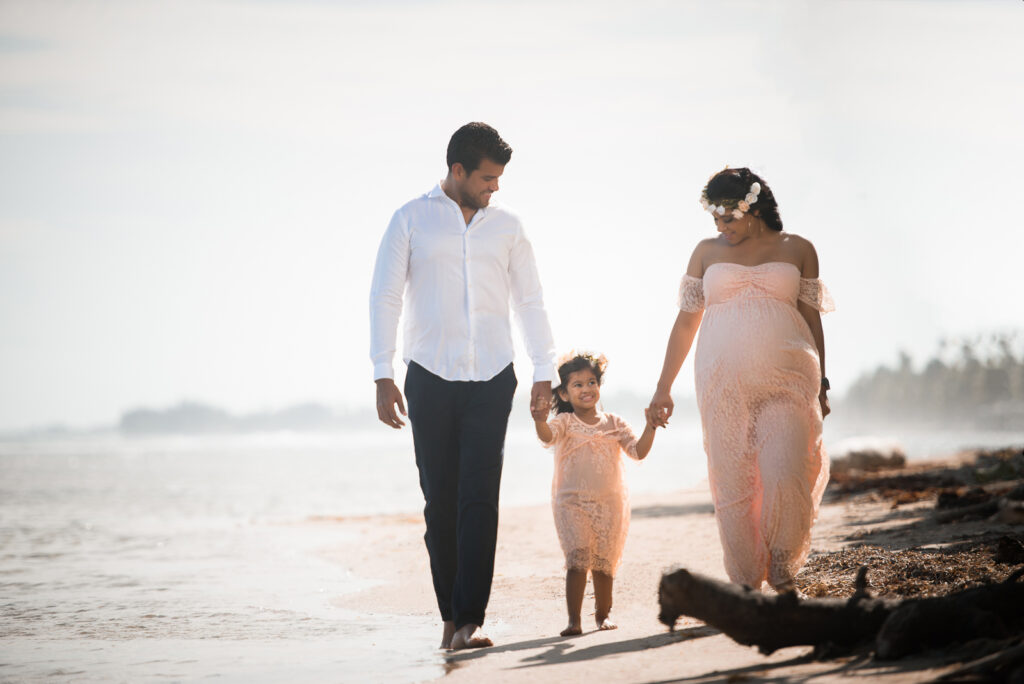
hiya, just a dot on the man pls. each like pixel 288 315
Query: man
pixel 459 263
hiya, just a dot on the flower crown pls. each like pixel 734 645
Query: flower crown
pixel 737 207
pixel 598 360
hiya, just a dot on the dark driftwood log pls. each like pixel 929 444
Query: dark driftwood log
pixel 772 622
pixel 896 627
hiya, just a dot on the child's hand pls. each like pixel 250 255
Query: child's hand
pixel 540 412
pixel 650 419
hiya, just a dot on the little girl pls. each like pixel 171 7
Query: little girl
pixel 588 494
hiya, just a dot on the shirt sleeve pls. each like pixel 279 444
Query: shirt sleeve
pixel 389 277
pixel 691 294
pixel 626 437
pixel 814 292
pixel 528 305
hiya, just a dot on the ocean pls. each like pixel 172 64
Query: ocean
pixel 182 558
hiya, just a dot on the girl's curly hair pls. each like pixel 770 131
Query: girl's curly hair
pixel 576 361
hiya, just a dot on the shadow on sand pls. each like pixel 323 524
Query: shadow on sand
pixel 861 666
pixel 560 649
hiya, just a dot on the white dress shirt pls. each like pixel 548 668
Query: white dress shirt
pixel 457 281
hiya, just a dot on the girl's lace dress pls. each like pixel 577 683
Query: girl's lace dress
pixel 757 378
pixel 588 493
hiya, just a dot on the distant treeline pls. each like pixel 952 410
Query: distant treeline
pixel 977 382
pixel 195 418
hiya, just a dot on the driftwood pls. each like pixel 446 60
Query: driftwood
pixel 893 627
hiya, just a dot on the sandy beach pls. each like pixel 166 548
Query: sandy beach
pixel 526 611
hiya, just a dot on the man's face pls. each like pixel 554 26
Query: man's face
pixel 475 190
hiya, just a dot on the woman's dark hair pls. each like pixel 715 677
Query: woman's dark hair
pixel 578 362
pixel 476 141
pixel 734 184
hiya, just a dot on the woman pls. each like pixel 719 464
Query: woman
pixel 760 377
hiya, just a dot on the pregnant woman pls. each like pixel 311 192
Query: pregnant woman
pixel 754 293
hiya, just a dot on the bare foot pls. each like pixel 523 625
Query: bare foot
pixel 572 630
pixel 447 634
pixel 467 637
pixel 605 623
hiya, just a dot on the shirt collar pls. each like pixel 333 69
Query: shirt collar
pixel 439 193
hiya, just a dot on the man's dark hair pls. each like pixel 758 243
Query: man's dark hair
pixel 474 142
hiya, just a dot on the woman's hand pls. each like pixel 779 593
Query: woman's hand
pixel 660 409
pixel 823 400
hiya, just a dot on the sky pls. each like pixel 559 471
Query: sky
pixel 192 193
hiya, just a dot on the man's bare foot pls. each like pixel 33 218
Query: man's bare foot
pixel 467 637
pixel 573 629
pixel 604 623
pixel 447 634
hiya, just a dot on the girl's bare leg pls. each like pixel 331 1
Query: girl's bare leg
pixel 603 600
pixel 575 586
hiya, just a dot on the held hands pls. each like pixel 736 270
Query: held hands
pixel 388 397
pixel 660 409
pixel 540 400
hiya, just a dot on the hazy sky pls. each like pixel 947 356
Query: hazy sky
pixel 192 193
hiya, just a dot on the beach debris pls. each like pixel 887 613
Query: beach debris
pixel 893 628
pixel 912 573
pixel 1009 551
pixel 869 461
pixel 1005 665
pixel 973 488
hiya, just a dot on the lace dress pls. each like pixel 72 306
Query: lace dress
pixel 588 493
pixel 758 376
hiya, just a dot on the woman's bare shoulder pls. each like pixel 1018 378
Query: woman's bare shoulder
pixel 703 254
pixel 804 253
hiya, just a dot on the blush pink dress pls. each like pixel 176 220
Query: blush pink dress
pixel 588 492
pixel 758 376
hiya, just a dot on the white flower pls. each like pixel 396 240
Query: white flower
pixel 755 188
pixel 720 210
pixel 750 198
pixel 743 205
pixel 737 214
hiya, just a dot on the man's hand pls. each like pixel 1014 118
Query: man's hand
pixel 540 400
pixel 387 397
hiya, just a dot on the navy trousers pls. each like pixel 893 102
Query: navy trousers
pixel 458 431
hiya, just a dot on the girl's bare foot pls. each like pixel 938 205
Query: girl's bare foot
pixel 573 629
pixel 604 623
pixel 467 637
pixel 447 634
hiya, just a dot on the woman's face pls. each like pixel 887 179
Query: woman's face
pixel 735 230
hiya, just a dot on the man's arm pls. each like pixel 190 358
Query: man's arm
pixel 389 277
pixel 528 304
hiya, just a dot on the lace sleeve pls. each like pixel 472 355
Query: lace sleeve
pixel 626 437
pixel 557 426
pixel 691 294
pixel 814 292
